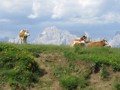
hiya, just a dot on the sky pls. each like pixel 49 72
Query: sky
pixel 100 18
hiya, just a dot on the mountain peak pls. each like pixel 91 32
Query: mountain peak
pixel 52 35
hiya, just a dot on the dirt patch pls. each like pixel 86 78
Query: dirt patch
pixel 5 87
pixel 49 82
pixel 96 82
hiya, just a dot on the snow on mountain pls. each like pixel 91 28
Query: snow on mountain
pixel 115 41
pixel 52 35
pixel 55 36
pixel 14 40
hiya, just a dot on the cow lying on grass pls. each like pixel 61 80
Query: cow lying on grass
pixel 101 43
pixel 23 36
pixel 80 41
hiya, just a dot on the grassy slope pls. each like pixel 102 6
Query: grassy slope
pixel 74 68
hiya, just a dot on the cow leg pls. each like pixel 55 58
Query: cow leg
pixel 25 40
pixel 21 41
pixel 72 44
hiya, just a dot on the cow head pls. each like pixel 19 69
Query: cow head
pixel 26 33
pixel 85 39
pixel 104 41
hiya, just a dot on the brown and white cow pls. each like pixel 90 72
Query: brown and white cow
pixel 80 41
pixel 23 36
pixel 101 43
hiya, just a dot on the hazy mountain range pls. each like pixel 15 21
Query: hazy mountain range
pixel 55 36
pixel 52 35
pixel 115 41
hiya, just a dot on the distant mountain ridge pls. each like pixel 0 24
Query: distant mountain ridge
pixel 14 40
pixel 115 41
pixel 53 35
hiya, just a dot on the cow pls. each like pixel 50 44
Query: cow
pixel 80 41
pixel 23 36
pixel 101 43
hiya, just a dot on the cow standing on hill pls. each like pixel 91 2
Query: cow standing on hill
pixel 23 36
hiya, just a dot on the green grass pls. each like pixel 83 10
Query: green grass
pixel 116 85
pixel 19 69
pixel 96 54
pixel 110 56
pixel 69 82
pixel 104 72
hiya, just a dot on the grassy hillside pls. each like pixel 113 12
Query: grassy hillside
pixel 50 67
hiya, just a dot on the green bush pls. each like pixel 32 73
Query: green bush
pixel 104 72
pixel 60 71
pixel 73 82
pixel 69 82
pixel 17 67
pixel 117 86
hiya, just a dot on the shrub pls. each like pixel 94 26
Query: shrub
pixel 69 82
pixel 18 67
pixel 60 71
pixel 117 86
pixel 72 82
pixel 104 72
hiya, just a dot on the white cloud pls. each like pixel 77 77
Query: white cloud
pixel 35 9
pixel 14 5
pixel 103 19
pixel 65 9
pixel 79 11
pixel 90 8
pixel 112 17
pixel 71 8
pixel 58 10
pixel 41 8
